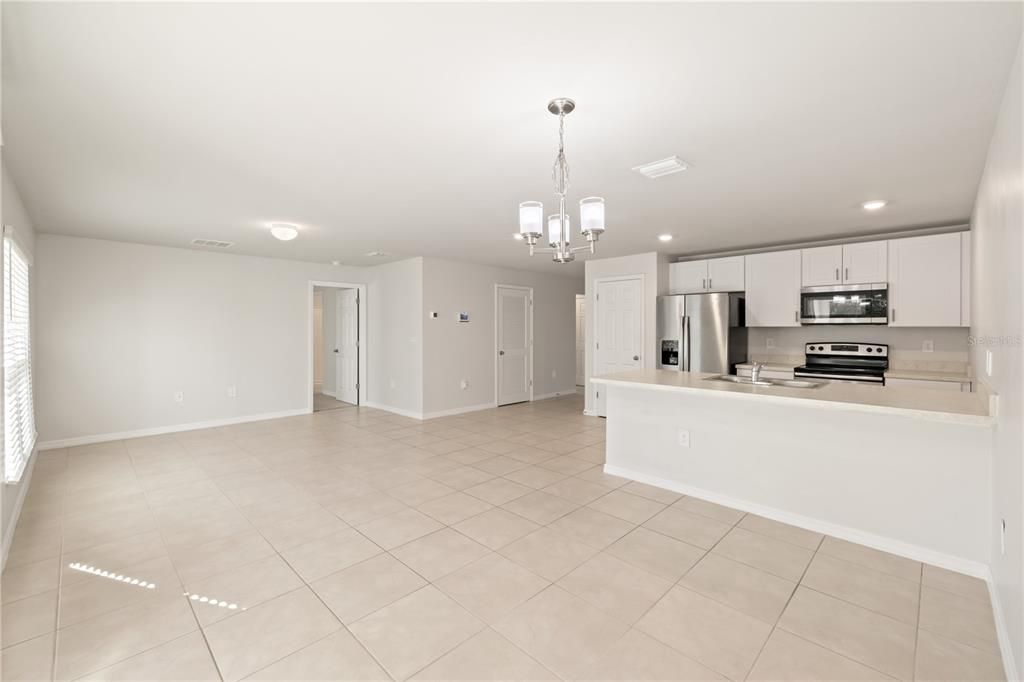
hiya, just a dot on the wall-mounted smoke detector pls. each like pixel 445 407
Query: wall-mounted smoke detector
pixel 656 169
pixel 378 254
pixel 212 243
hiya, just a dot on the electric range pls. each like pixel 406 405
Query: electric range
pixel 853 362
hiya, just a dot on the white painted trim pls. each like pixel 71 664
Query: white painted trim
pixel 497 385
pixel 1002 633
pixel 459 410
pixel 25 482
pixel 333 394
pixel 394 410
pixel 363 345
pixel 904 549
pixel 161 430
pixel 555 394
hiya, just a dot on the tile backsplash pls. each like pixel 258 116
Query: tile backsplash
pixel 906 345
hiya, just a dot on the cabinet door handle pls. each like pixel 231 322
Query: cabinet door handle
pixel 846 275
pixel 893 314
pixel 704 284
pixel 837 274
pixel 796 315
pixel 710 285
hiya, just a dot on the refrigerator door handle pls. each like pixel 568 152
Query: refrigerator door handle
pixel 685 359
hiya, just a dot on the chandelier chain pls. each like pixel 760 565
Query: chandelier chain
pixel 560 171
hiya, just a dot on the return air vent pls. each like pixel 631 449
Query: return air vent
pixel 657 169
pixel 212 243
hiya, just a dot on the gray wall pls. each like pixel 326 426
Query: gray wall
pixel 998 252
pixel 455 351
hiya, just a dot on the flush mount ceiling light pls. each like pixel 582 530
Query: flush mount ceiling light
pixel 665 237
pixel 874 204
pixel 284 231
pixel 531 213
pixel 657 169
pixel 377 254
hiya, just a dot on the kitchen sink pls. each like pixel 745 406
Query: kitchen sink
pixel 788 383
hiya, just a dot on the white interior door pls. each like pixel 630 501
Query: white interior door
pixel 347 339
pixel 618 343
pixel 515 345
pixel 581 339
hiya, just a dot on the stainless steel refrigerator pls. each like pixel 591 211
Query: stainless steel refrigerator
pixel 702 332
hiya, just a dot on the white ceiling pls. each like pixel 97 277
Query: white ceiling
pixel 417 129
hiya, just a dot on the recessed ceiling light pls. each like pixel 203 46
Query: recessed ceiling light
pixel 335 262
pixel 518 237
pixel 656 169
pixel 665 237
pixel 874 204
pixel 284 231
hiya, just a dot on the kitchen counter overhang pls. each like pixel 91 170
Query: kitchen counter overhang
pixel 906 471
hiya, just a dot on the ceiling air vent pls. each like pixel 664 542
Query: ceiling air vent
pixel 656 169
pixel 212 243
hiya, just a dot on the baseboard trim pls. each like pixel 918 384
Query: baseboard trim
pixel 394 410
pixel 26 481
pixel 898 547
pixel 161 430
pixel 333 394
pixel 1002 632
pixel 556 394
pixel 459 410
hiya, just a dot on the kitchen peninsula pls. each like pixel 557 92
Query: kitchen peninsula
pixel 904 470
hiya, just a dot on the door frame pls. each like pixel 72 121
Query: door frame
pixel 529 298
pixel 592 324
pixel 310 378
pixel 582 298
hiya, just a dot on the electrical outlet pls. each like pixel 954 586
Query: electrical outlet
pixel 464 384
pixel 988 362
pixel 179 396
pixel 1002 536
pixel 554 374
pixel 769 343
pixel 391 383
pixel 928 346
pixel 684 438
pixel 232 392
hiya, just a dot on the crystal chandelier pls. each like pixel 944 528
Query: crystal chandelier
pixel 531 213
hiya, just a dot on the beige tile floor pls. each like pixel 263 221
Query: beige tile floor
pixel 323 402
pixel 354 544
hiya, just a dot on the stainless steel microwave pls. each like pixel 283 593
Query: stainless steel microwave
pixel 845 304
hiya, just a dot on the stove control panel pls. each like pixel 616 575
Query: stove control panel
pixel 848 349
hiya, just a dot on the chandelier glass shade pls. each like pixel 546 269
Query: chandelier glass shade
pixel 531 213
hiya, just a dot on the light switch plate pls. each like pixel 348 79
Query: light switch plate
pixel 684 438
pixel 769 343
pixel 928 346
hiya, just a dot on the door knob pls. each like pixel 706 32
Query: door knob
pixel 636 357
pixel 501 352
pixel 335 350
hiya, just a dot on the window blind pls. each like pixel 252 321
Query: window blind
pixel 19 415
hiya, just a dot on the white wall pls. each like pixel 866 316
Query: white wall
pixel 122 327
pixel 998 253
pixel 14 215
pixel 395 345
pixel 454 351
pixel 654 267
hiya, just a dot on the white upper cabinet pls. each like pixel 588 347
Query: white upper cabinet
pixel 924 281
pixel 860 263
pixel 865 262
pixel 690 277
pixel 726 274
pixel 703 276
pixel 822 266
pixel 773 289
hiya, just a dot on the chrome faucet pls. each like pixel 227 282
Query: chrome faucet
pixel 755 371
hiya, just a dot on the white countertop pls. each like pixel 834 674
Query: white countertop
pixel 926 375
pixel 947 406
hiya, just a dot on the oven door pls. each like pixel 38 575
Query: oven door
pixel 845 304
pixel 847 375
